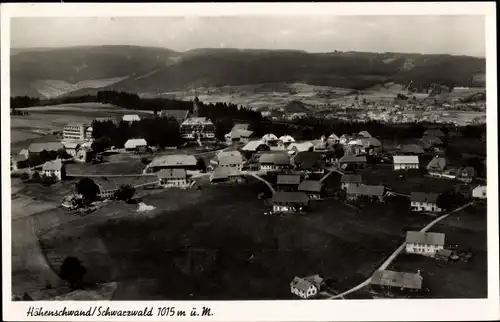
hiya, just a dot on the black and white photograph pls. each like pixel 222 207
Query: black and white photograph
pixel 249 157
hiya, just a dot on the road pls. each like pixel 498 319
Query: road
pixel 261 179
pixel 331 170
pixel 393 256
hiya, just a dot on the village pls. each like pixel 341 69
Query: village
pixel 298 174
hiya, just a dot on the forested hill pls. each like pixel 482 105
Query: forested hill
pixel 84 70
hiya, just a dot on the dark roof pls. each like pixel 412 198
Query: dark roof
pixel 308 159
pixel 437 163
pixel 310 186
pixel 224 173
pixel 412 149
pixel 171 174
pixel 366 190
pixel 301 284
pixel 417 237
pixel 433 140
pixel 293 179
pixel 350 178
pixel 291 197
pixel 47 146
pixel 277 158
pixel 397 279
pixel 352 158
pixel 424 197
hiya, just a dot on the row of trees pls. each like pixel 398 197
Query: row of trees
pixel 42 157
pixel 90 191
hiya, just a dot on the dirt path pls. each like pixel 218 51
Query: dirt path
pixel 393 256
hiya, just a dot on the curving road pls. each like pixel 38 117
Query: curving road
pixel 332 170
pixel 389 260
pixel 261 179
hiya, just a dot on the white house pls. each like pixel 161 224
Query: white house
pixel 349 179
pixel 230 159
pixel 53 168
pixel 173 178
pixel 135 144
pixel 422 201
pixel 71 147
pixel 426 244
pixel 405 162
pixel 306 287
pixel 479 192
pixel 131 118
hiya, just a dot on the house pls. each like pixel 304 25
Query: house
pixel 230 159
pixel 373 193
pixel 255 146
pixel 136 145
pixel 240 135
pixel 424 144
pixel 222 174
pixel 444 254
pixel 434 132
pixel 107 188
pixel 364 134
pixel 272 161
pixel 355 161
pixel 288 182
pixel 436 166
pixel 295 148
pixel 173 178
pixel 332 138
pixel 405 162
pixel 71 147
pixel 424 243
pixel 269 137
pixel 320 145
pixel 290 202
pixel 172 161
pixel 83 154
pixel 311 162
pixel 37 148
pixel 434 141
pixel 423 201
pixel 386 279
pixel 465 174
pixel 479 192
pixel 287 140
pixel 345 138
pixel 411 149
pixel 350 179
pixel 313 188
pixel 72 201
pixel 306 287
pixel 54 168
pixel 131 118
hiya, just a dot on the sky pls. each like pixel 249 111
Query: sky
pixel 429 34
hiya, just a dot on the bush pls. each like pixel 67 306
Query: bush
pixel 87 188
pixel 125 192
pixel 72 271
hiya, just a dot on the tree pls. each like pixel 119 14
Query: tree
pixel 145 160
pixel 72 271
pixel 101 144
pixel 36 177
pixel 449 200
pixel 88 189
pixel 62 154
pixel 125 192
pixel 200 165
pixel 24 176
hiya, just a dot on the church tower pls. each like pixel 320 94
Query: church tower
pixel 196 108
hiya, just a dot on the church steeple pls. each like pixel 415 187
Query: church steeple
pixel 196 102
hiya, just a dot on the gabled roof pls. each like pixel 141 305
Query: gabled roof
pixel 427 238
pixel 241 126
pixel 365 134
pixel 269 137
pixel 412 149
pixel 197 121
pixel 437 163
pixel 397 279
pixel 173 160
pixel 424 197
pixel 131 118
pixel 301 284
pixel 171 174
pixel 432 140
pixel 291 179
pixel 223 173
pixel 253 145
pixel 302 146
pixel 291 197
pixel 229 157
pixel 333 137
pixel 310 186
pixel 133 143
pixel 52 165
pixel 70 145
pixel 287 139
pixel 366 190
pixel 351 178
pixel 307 157
pixel 405 159
pixel 349 158
pixel 277 158
pixel 47 146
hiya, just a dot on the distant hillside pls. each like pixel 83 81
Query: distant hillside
pixel 82 70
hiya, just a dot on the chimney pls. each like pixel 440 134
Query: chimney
pixel 418 272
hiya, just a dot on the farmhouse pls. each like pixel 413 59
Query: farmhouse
pixel 287 140
pixel 411 149
pixel 135 145
pixel 479 192
pixel 436 166
pixel 288 182
pixel 269 137
pixel 131 118
pixel 271 161
pixel 311 162
pixel 172 161
pixel 313 188
pixel 465 174
pixel 422 201
pixel 385 279
pixel 405 162
pixel 71 147
pixel 229 159
pixel 37 148
pixel 349 179
pixel 352 160
pixel 424 243
pixel 54 168
pixel 373 193
pixel 290 202
pixel 107 188
pixel 306 287
pixel 295 148
pixel 255 146
pixel 239 135
pixel 225 175
pixel 173 178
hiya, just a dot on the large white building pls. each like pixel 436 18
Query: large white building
pixel 77 132
pixel 405 162
pixel 426 244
